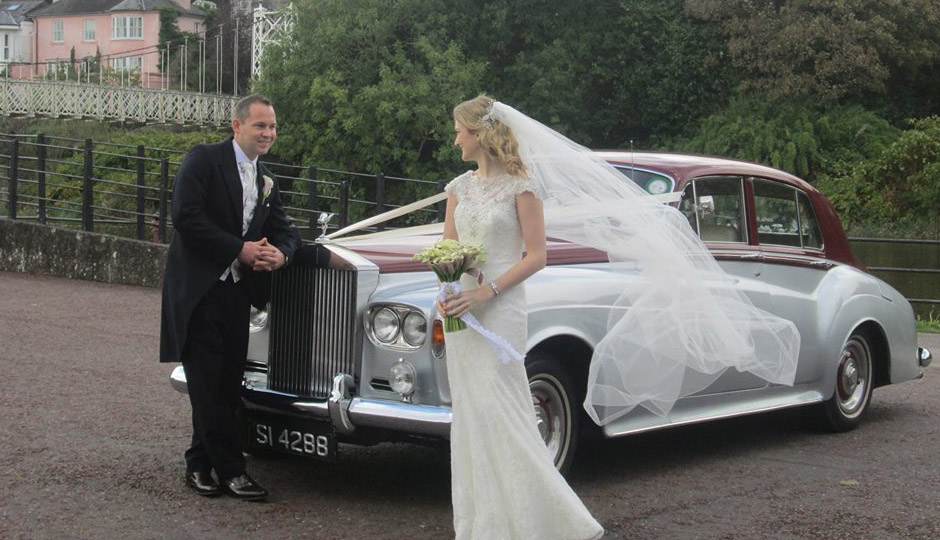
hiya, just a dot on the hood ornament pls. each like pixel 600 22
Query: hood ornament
pixel 324 221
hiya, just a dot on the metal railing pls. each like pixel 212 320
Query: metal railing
pixel 126 189
pixel 925 273
pixel 105 102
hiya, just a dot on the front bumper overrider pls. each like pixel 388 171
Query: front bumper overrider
pixel 347 413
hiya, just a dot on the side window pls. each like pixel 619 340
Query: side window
pixel 649 181
pixel 778 219
pixel 714 207
pixel 809 227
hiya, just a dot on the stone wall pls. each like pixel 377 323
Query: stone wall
pixel 43 249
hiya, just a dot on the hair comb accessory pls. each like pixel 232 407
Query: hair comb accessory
pixel 488 119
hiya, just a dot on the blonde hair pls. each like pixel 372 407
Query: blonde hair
pixel 494 136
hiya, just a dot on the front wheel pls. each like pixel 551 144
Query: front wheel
pixel 556 400
pixel 852 395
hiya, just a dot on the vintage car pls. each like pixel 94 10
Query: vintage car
pixel 356 354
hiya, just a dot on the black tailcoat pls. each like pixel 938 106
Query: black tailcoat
pixel 207 219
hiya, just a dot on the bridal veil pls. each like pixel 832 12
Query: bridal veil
pixel 679 324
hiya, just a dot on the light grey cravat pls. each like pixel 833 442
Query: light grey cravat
pixel 249 192
pixel 246 173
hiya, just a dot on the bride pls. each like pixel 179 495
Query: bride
pixel 504 483
pixel 676 326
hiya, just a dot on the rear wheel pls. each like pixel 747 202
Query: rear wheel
pixel 556 401
pixel 852 395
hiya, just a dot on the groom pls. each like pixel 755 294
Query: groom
pixel 230 233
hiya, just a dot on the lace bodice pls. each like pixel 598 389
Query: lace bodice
pixel 486 215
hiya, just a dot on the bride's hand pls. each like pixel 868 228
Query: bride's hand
pixel 456 305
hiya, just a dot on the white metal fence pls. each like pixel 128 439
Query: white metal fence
pixel 103 102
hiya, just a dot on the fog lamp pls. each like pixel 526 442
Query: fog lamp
pixel 401 377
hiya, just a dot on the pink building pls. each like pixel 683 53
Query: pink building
pixel 125 32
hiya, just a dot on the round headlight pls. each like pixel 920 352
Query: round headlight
pixel 401 377
pixel 414 328
pixel 385 325
pixel 257 319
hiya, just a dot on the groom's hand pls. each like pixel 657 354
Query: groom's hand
pixel 269 257
pixel 250 252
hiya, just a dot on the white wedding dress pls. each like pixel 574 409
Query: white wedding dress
pixel 504 483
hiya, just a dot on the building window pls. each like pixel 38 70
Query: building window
pixel 89 29
pixel 196 28
pixel 58 31
pixel 6 47
pixel 127 28
pixel 125 63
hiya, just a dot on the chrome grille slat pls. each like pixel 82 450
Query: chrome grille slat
pixel 313 330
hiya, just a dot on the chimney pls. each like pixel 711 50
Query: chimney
pixel 185 4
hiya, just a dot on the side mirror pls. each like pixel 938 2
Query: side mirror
pixel 706 205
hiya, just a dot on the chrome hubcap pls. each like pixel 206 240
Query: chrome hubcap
pixel 854 376
pixel 551 414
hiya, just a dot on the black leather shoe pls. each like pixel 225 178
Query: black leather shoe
pixel 244 488
pixel 203 483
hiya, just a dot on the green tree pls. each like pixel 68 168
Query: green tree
pixel 602 72
pixel 801 138
pixel 370 85
pixel 897 191
pixel 826 49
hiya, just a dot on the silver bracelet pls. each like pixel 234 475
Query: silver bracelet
pixel 495 288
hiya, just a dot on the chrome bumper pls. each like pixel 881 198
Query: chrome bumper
pixel 347 413
pixel 923 356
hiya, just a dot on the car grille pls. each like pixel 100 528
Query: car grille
pixel 313 330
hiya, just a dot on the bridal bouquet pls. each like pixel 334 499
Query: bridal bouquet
pixel 450 259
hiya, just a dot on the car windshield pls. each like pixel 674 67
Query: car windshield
pixel 652 182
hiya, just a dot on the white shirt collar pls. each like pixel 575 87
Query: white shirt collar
pixel 240 156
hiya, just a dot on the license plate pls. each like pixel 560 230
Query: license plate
pixel 298 439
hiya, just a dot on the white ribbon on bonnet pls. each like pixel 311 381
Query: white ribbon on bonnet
pixel 506 351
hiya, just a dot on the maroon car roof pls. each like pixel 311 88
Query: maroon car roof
pixel 684 167
pixel 394 254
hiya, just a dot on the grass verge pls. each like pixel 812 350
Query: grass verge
pixel 930 324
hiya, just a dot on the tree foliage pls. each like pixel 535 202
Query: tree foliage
pixel 798 137
pixel 896 191
pixel 825 49
pixel 814 87
pixel 371 83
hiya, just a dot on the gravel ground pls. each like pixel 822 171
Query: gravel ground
pixel 91 441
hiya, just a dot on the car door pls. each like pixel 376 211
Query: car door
pixel 794 263
pixel 716 207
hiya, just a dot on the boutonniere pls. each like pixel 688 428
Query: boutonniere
pixel 266 189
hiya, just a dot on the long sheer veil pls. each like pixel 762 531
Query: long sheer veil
pixel 681 323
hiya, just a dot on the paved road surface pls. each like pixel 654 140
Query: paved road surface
pixel 91 440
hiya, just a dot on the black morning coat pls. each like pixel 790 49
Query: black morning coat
pixel 207 218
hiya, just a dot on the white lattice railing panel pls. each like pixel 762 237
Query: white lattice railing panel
pixel 69 99
pixel 268 27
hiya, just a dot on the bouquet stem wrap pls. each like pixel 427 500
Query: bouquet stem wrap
pixel 506 351
pixel 451 324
